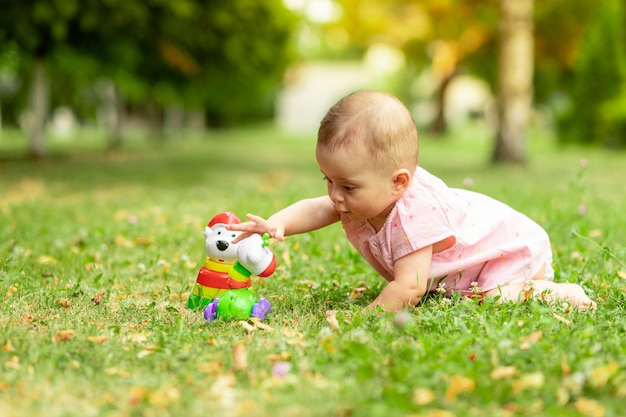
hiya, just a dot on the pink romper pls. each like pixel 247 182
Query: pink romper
pixel 495 244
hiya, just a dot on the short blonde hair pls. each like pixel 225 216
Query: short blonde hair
pixel 378 122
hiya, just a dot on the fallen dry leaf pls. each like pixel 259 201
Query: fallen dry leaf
pixel 286 258
pixel 259 324
pixel 591 408
pixel 63 336
pixel 502 372
pixel 600 376
pixel 356 293
pixel 46 259
pixel 123 242
pixel 561 319
pixel 240 356
pixel 458 385
pixel 534 380
pixel 138 338
pixel 437 412
pixel 98 339
pixel 279 357
pixel 65 303
pixel 246 325
pixel 331 318
pixel 12 290
pixel 97 299
pixel 164 396
pixel 8 347
pixel 137 395
pixel 423 396
pixel 26 318
pixel 534 337
pixel 13 363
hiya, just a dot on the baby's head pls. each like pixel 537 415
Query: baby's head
pixel 375 122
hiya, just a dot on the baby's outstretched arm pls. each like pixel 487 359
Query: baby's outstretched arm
pixel 409 283
pixel 302 216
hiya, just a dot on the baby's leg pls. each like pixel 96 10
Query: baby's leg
pixel 544 290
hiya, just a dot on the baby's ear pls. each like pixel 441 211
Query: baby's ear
pixel 402 179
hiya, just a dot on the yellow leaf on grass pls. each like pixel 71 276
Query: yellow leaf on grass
pixel 137 395
pixel 423 396
pixel 98 339
pixel 246 325
pixel 8 347
pixel 534 380
pixel 13 363
pixel 331 318
pixel 240 356
pixel 139 338
pixel 590 408
pixel 600 376
pixel 123 242
pixel 12 290
pixel 259 324
pixel 46 259
pixel 561 319
pixel 164 396
pixel 502 372
pixel 64 302
pixel 458 385
pixel 533 337
pixel 621 274
pixel 63 336
pixel 279 357
pixel 356 293
pixel 287 258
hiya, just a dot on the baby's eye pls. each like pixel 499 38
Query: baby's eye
pixel 328 180
pixel 349 187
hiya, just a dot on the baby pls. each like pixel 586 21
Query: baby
pixel 420 235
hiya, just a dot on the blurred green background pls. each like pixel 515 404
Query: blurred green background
pixel 163 69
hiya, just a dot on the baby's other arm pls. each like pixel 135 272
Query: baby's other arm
pixel 303 216
pixel 409 283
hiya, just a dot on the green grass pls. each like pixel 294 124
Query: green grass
pixel 129 224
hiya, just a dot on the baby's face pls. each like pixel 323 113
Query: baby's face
pixel 357 188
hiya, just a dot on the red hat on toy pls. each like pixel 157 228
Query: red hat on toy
pixel 226 217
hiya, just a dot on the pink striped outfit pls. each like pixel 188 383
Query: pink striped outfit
pixel 495 244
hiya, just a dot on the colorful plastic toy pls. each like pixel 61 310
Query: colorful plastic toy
pixel 213 278
pixel 253 257
pixel 223 286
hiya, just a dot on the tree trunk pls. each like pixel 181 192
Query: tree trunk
pixel 39 104
pixel 439 126
pixel 514 96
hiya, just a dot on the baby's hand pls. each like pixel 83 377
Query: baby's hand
pixel 258 225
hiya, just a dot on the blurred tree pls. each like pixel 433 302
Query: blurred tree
pixel 436 34
pixel 223 57
pixel 36 27
pixel 515 86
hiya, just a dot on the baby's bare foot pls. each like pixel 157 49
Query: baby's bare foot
pixel 576 296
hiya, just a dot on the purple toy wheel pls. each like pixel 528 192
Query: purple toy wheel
pixel 258 312
pixel 210 312
pixel 265 305
pixel 261 309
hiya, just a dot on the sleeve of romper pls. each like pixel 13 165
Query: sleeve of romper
pixel 420 220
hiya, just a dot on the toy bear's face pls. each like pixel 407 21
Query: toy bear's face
pixel 218 243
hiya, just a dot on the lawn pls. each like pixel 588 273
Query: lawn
pixel 100 250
